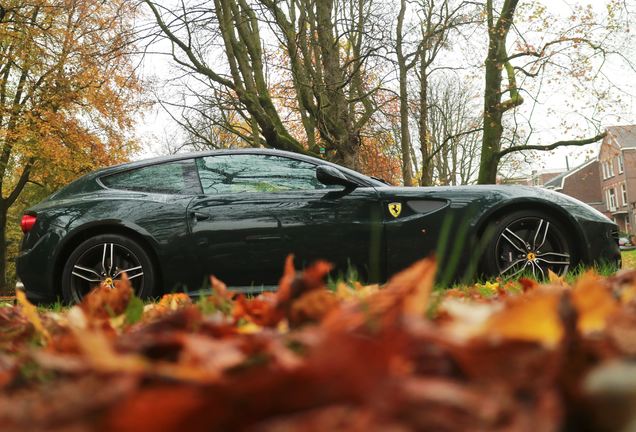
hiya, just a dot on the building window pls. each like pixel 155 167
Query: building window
pixel 621 165
pixel 624 193
pixel 611 199
pixel 610 168
pixel 604 170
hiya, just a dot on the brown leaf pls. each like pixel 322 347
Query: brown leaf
pixel 415 285
pixel 312 306
pixel 406 294
pixel 263 310
pixel 16 331
pixel 71 404
pixel 345 418
pixel 621 328
pixel 105 302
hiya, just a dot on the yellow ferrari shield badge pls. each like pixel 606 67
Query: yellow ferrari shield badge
pixel 395 209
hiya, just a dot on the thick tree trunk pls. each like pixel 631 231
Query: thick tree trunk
pixel 493 129
pixel 496 61
pixel 337 125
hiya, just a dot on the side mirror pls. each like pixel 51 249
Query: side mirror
pixel 329 175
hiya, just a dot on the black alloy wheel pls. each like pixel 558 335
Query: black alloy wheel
pixel 528 242
pixel 102 260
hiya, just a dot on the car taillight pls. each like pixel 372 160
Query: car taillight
pixel 27 222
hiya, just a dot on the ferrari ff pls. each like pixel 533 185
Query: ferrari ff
pixel 170 222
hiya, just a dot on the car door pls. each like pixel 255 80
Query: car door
pixel 342 226
pixel 258 208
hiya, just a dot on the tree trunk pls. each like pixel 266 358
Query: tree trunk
pixel 405 136
pixel 4 289
pixel 338 122
pixel 496 61
pixel 427 169
pixel 493 129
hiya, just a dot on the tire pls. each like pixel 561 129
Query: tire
pixel 527 242
pixel 89 264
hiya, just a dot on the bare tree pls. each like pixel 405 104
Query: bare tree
pixel 419 41
pixel 232 26
pixel 405 62
pixel 454 131
pixel 570 49
pixel 327 46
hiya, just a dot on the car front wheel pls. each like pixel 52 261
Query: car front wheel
pixel 102 260
pixel 528 243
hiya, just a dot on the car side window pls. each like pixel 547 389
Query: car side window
pixel 179 177
pixel 236 173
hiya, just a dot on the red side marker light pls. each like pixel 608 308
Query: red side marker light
pixel 27 222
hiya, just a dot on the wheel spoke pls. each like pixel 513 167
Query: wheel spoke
pixel 135 275
pixel 520 270
pixel 104 258
pixel 553 262
pixel 87 272
pixel 535 264
pixel 557 254
pixel 536 235
pixel 129 272
pixel 504 271
pixel 509 231
pixel 111 263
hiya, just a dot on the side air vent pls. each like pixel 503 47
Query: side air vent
pixel 426 206
pixel 614 235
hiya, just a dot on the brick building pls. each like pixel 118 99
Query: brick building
pixel 537 178
pixel 607 182
pixel 617 168
pixel 582 183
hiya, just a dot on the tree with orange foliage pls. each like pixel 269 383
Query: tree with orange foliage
pixel 68 93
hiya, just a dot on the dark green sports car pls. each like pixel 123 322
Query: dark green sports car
pixel 170 222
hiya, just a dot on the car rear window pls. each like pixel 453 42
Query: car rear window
pixel 179 177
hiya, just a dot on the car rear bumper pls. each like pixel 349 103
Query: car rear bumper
pixel 35 268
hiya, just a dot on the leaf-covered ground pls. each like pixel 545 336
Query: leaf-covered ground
pixel 497 357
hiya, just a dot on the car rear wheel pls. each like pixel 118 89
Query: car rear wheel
pixel 528 243
pixel 104 259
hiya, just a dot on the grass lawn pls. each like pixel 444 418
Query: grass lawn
pixel 629 259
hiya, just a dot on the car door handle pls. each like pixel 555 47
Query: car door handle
pixel 262 238
pixel 197 216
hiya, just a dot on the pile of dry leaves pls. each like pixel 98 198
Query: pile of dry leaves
pixel 399 358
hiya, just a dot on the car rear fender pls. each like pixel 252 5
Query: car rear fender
pixel 81 233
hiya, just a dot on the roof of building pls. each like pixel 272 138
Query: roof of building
pixel 625 135
pixel 557 182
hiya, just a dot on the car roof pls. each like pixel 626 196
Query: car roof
pixel 190 155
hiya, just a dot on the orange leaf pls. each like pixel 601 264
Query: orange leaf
pixel 530 317
pixel 594 302
pixel 32 315
pixel 105 302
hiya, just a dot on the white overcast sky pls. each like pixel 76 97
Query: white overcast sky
pixel 156 127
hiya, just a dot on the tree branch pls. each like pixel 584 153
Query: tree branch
pixel 579 142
